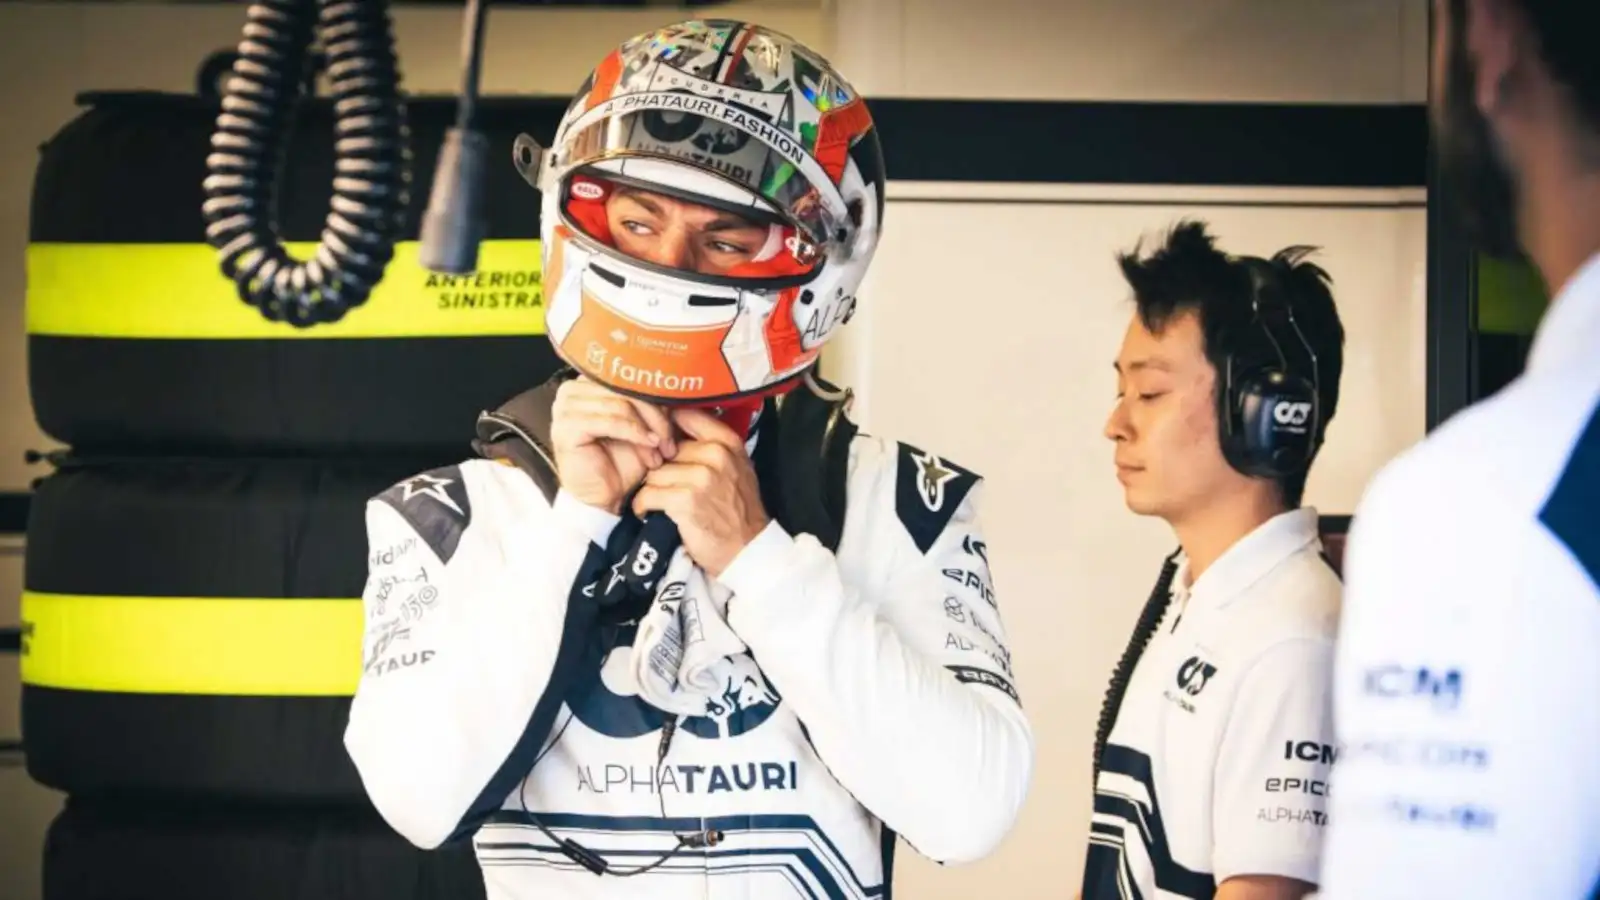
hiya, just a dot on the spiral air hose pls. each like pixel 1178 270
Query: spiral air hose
pixel 372 168
pixel 1149 619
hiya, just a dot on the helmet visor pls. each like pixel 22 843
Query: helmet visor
pixel 667 224
pixel 737 143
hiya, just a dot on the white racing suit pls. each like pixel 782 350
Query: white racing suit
pixel 883 703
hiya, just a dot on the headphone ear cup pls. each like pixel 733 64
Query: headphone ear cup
pixel 1231 423
pixel 1288 424
pixel 1249 449
pixel 1273 424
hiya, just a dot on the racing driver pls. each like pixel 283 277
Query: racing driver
pixel 685 632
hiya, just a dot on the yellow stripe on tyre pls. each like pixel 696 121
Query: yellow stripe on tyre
pixel 178 291
pixel 192 645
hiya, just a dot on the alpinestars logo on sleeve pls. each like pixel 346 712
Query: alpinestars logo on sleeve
pixel 932 475
pixel 436 505
pixel 929 489
pixel 428 485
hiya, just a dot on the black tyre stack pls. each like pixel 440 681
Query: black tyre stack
pixel 194 564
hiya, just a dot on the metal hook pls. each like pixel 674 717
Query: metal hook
pixel 528 158
pixel 840 399
pixel 832 396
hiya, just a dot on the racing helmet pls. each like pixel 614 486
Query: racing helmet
pixel 739 123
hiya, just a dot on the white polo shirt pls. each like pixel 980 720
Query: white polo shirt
pixel 1468 680
pixel 1218 763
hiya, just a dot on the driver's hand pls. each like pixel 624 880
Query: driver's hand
pixel 606 443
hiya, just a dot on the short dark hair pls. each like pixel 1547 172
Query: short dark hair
pixel 1187 273
pixel 1566 46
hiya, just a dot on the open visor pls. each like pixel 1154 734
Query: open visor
pixel 736 143
pixel 733 242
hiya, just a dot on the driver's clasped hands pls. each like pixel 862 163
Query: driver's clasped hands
pixel 605 443
pixel 685 463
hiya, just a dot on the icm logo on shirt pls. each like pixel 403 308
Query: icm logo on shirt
pixel 1441 688
pixel 1194 674
pixel 1310 751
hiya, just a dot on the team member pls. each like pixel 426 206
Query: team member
pixel 1468 651
pixel 751 695
pixel 1215 743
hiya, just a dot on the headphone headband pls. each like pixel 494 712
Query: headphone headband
pixel 1266 282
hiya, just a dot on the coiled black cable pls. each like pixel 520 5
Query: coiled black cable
pixel 1143 630
pixel 372 167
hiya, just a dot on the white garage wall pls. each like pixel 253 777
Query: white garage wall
pixel 988 325
pixel 1304 51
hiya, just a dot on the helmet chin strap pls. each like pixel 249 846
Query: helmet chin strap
pixel 739 415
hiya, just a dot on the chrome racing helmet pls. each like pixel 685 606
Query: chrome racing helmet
pixel 757 137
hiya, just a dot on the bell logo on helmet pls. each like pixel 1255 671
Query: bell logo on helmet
pixel 1291 413
pixel 588 190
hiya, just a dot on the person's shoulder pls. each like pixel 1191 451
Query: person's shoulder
pixel 927 490
pixel 1494 510
pixel 1291 611
pixel 1300 601
pixel 441 503
pixel 1507 450
pixel 453 486
pixel 1294 634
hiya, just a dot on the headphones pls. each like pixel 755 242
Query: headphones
pixel 1270 418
